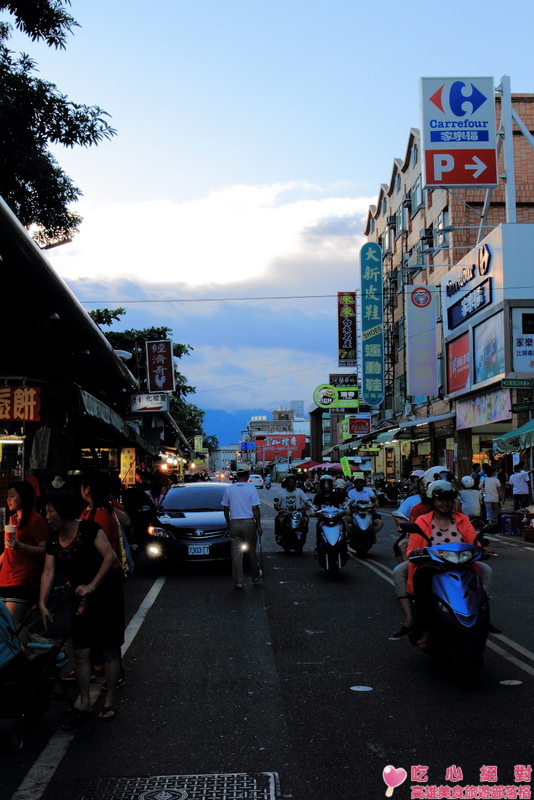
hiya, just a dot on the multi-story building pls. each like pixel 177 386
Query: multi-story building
pixel 282 437
pixel 424 234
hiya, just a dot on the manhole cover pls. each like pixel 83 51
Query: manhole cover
pixel 219 786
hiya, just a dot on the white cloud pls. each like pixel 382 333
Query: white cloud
pixel 227 378
pixel 278 240
pixel 233 234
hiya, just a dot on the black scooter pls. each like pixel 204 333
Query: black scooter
pixel 292 531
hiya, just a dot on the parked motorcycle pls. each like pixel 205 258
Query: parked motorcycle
pixel 292 531
pixel 362 534
pixel 331 551
pixel 459 606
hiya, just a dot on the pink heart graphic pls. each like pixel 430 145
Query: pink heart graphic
pixel 394 777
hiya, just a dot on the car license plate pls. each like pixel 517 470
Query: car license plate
pixel 198 549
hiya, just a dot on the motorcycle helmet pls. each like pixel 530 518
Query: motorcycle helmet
pixel 417 473
pixel 324 479
pixel 434 474
pixel 468 482
pixel 443 490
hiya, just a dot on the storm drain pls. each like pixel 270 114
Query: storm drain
pixel 219 786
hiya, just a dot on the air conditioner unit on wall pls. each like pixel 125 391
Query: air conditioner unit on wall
pixel 392 221
pixel 406 199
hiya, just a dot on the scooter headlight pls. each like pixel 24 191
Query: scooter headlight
pixel 455 557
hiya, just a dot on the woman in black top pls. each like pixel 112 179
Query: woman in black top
pixel 81 550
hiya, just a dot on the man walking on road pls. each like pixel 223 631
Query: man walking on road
pixel 241 506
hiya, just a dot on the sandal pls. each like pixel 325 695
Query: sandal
pixel 107 713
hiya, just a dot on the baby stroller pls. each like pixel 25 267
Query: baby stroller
pixel 26 682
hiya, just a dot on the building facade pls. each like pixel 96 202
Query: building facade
pixel 457 243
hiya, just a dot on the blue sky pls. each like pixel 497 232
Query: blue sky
pixel 252 137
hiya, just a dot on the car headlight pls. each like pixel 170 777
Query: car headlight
pixel 456 557
pixel 152 530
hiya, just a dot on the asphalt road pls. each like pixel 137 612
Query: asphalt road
pixel 298 677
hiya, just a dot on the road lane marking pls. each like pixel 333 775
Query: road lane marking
pixel 509 642
pixel 41 773
pixel 139 617
pixel 521 664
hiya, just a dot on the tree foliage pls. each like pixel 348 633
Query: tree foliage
pixel 33 115
pixel 189 417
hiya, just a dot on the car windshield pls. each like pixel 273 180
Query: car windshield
pixel 197 498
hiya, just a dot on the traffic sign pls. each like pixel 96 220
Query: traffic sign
pixel 518 383
pixel 458 132
pixel 460 167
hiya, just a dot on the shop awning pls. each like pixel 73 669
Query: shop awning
pixel 92 407
pixel 426 420
pixel 388 436
pixel 516 440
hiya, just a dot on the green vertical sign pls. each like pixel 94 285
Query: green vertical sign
pixel 372 356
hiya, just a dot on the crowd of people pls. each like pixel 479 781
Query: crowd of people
pixel 81 535
pixel 86 535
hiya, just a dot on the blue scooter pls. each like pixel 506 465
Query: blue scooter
pixel 458 607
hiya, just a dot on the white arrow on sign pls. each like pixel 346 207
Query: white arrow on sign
pixel 478 166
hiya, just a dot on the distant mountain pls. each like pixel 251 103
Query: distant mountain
pixel 227 425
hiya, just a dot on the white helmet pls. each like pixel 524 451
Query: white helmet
pixel 468 482
pixel 325 478
pixel 434 474
pixel 443 489
pixel 417 473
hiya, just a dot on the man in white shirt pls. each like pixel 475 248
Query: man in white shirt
pixel 241 506
pixel 365 493
pixel 289 498
pixel 519 481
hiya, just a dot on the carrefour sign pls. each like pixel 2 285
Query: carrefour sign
pixel 458 132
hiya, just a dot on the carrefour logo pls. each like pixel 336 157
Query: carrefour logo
pixel 460 100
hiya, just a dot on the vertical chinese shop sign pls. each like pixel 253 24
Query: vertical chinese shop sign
pixel 160 366
pixel 372 358
pixel 346 324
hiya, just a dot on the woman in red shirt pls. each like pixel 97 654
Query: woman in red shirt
pixel 22 561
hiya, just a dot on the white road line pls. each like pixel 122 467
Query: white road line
pixel 514 645
pixel 133 628
pixel 521 664
pixel 43 769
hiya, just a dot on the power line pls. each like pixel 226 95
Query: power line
pixel 214 299
pixel 464 289
pixel 269 378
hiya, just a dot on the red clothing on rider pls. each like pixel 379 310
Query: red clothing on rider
pixel 463 526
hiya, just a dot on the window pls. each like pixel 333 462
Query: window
pixel 384 206
pixel 416 193
pixel 441 236
pixel 397 183
pixel 399 392
pixel 400 219
pixel 414 155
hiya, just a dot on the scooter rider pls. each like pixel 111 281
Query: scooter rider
pixel 365 493
pixel 326 495
pixel 441 524
pixel 289 498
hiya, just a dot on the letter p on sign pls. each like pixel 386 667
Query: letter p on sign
pixel 443 162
